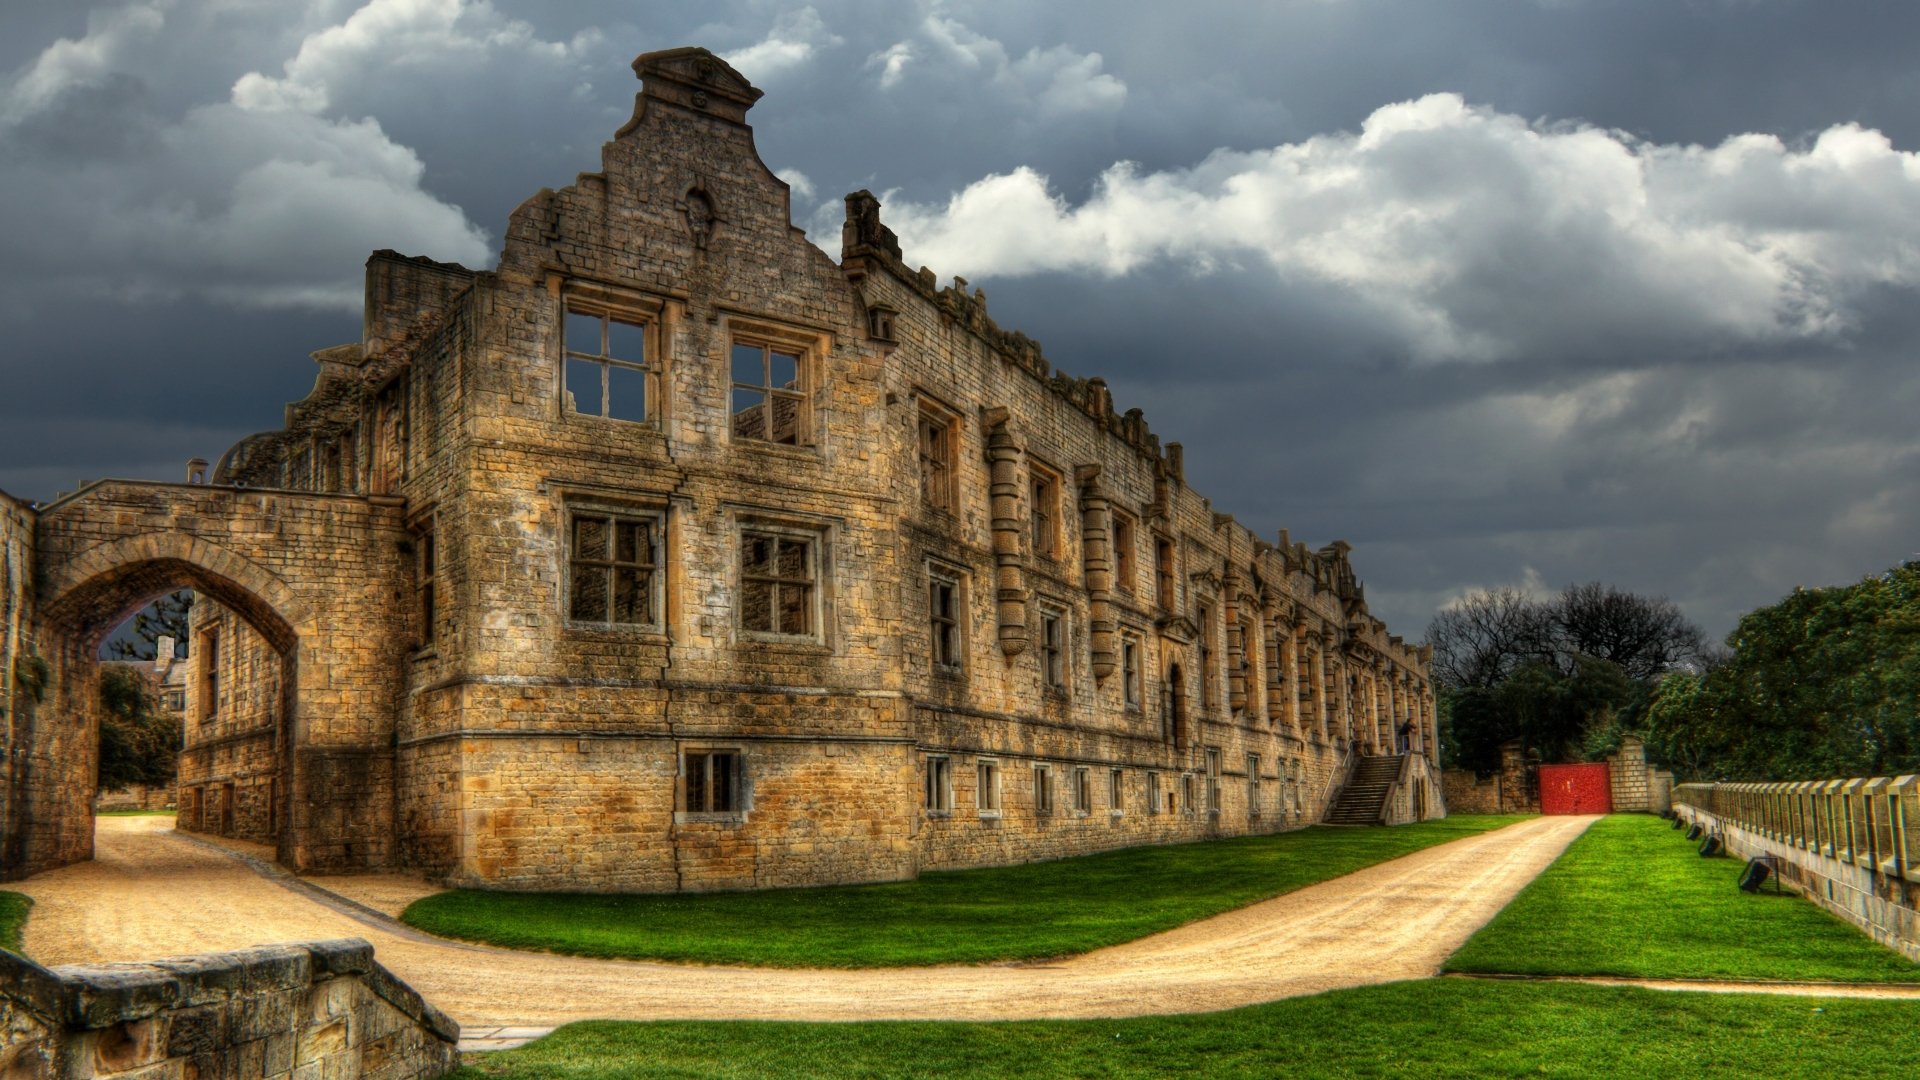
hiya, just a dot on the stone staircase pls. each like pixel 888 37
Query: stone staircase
pixel 1365 795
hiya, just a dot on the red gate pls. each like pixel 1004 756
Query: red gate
pixel 1575 789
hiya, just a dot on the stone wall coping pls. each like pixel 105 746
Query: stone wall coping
pixel 101 995
pixel 236 489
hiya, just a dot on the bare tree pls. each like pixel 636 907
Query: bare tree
pixel 1484 638
pixel 1644 636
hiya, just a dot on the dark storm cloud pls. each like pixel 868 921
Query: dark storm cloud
pixel 1562 324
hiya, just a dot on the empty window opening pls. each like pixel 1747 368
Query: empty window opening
pixel 1053 643
pixel 607 370
pixel 776 584
pixel 713 782
pixel 613 560
pixel 1116 791
pixel 1153 793
pixel 1163 572
pixel 1082 791
pixel 769 395
pixel 939 786
pixel 936 460
pixel 1044 495
pixel 1042 790
pixel 986 795
pixel 1123 546
pixel 1131 688
pixel 943 623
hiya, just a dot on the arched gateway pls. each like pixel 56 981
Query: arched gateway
pixel 319 577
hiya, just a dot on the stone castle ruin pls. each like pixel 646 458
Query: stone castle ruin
pixel 673 554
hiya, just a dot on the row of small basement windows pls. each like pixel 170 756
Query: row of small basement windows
pixel 938 800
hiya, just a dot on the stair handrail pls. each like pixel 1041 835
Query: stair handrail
pixel 1399 781
pixel 1342 774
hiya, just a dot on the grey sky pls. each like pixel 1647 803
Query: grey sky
pixel 1502 292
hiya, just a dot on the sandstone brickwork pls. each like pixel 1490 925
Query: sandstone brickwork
pixel 695 559
pixel 321 1009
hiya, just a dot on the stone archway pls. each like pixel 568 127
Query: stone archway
pixel 323 580
pixel 236 763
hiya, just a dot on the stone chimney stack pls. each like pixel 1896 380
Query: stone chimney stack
pixel 163 652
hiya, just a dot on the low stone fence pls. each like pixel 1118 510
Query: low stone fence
pixel 1852 846
pixel 319 1009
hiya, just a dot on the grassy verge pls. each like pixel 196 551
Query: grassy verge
pixel 965 916
pixel 13 918
pixel 1632 897
pixel 134 813
pixel 1434 1028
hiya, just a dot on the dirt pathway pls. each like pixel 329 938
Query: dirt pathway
pixel 149 893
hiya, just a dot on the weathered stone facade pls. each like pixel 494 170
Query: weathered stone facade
pixel 724 565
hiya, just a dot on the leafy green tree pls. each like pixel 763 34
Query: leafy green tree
pixel 138 740
pixel 1824 683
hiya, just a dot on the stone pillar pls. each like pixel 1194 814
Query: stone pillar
pixel 1009 576
pixel 1296 638
pixel 1097 552
pixel 1270 618
pixel 1318 673
pixel 1236 647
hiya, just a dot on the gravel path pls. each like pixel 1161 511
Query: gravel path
pixel 151 893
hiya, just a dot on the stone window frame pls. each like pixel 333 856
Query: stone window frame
pixel 1153 792
pixel 1055 658
pixel 1207 654
pixel 1253 785
pixel 614 305
pixel 936 789
pixel 939 494
pixel 954 665
pixel 425 528
pixel 821 536
pixel 1042 789
pixel 208 649
pixel 1133 679
pixel 810 349
pixel 1166 572
pixel 987 792
pixel 654 514
pixel 1126 543
pixel 1116 792
pixel 1082 791
pixel 1187 797
pixel 1046 527
pixel 741 793
pixel 1214 795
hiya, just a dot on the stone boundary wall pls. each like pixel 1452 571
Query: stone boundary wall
pixel 135 797
pixel 1515 789
pixel 315 1009
pixel 1850 846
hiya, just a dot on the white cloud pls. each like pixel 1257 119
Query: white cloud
pixel 794 39
pixel 75 62
pixel 388 33
pixel 1055 82
pixel 1481 235
pixel 261 199
pixel 800 182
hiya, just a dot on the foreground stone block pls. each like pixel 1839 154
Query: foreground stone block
pixel 325 1007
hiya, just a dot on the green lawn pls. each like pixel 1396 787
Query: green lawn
pixel 966 916
pixel 1433 1028
pixel 13 918
pixel 1633 897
